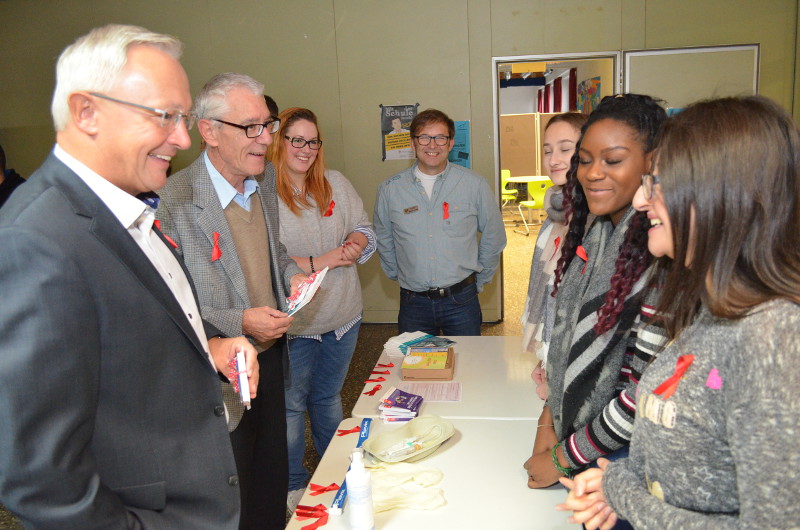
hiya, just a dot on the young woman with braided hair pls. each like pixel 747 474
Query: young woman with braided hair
pixel 601 284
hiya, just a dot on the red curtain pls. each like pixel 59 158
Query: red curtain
pixel 557 97
pixel 573 89
pixel 547 98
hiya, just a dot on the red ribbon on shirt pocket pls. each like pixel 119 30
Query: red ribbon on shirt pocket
pixel 446 210
pixel 329 211
pixel 157 224
pixel 216 253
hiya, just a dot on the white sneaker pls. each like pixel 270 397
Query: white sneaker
pixel 293 499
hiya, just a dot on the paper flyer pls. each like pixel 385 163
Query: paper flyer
pixel 306 291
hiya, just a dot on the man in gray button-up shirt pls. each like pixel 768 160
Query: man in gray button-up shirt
pixel 427 219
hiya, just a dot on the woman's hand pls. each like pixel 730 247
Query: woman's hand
pixel 540 378
pixel 354 245
pixel 541 471
pixel 586 499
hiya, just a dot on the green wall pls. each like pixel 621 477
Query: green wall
pixel 342 58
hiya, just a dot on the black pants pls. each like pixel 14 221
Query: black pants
pixel 259 447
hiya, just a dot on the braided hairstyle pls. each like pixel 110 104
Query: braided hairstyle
pixel 644 115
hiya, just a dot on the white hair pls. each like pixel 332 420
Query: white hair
pixel 95 61
pixel 212 101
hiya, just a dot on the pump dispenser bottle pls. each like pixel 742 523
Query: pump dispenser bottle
pixel 359 494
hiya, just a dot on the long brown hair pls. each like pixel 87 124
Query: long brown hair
pixel 317 186
pixel 729 176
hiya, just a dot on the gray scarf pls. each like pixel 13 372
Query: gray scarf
pixel 554 204
pixel 583 368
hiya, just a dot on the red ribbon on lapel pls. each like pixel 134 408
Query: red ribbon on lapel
pixel 382 372
pixel 376 380
pixel 157 224
pixel 581 252
pixel 388 365
pixel 329 211
pixel 556 242
pixel 446 209
pixel 372 392
pixel 316 489
pixel 318 512
pixel 668 387
pixel 342 432
pixel 216 253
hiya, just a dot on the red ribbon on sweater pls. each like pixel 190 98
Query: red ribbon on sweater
pixel 318 512
pixel 556 242
pixel 216 253
pixel 581 252
pixel 342 432
pixel 668 387
pixel 316 489
pixel 329 211
pixel 446 209
pixel 373 391
pixel 157 224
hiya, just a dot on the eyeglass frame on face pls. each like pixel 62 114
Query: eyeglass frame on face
pixel 649 182
pixel 311 143
pixel 434 138
pixel 165 115
pixel 271 126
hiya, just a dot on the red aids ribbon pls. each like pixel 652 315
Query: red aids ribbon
pixel 388 365
pixel 373 391
pixel 316 489
pixel 381 372
pixel 376 380
pixel 668 387
pixel 556 242
pixel 342 432
pixel 329 211
pixel 157 224
pixel 446 209
pixel 581 252
pixel 318 512
pixel 216 253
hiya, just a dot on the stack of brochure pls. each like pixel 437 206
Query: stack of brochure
pixel 399 345
pixel 397 405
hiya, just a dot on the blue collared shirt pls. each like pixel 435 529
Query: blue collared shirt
pixel 225 191
pixel 423 244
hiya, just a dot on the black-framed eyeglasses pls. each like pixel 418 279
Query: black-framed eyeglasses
pixel 254 130
pixel 299 142
pixel 440 140
pixel 169 117
pixel 649 182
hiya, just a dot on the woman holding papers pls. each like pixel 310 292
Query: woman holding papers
pixel 715 439
pixel 323 224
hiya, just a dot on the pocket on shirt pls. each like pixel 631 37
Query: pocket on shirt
pixel 463 220
pixel 151 496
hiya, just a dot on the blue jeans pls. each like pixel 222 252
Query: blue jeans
pixel 457 314
pixel 318 372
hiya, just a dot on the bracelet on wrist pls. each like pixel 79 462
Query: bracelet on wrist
pixel 311 263
pixel 545 425
pixel 566 471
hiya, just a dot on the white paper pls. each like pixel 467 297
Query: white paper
pixel 306 292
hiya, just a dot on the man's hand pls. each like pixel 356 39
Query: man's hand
pixel 265 323
pixel 223 350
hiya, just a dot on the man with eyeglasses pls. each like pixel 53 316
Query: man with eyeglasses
pixel 427 219
pixel 222 213
pixel 109 379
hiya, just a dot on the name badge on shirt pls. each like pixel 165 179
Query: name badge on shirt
pixel 411 209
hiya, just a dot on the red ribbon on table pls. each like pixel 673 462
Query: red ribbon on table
pixel 318 512
pixel 216 253
pixel 382 372
pixel 581 252
pixel 556 242
pixel 342 432
pixel 668 387
pixel 172 242
pixel 446 209
pixel 373 391
pixel 376 380
pixel 389 365
pixel 329 211
pixel 316 489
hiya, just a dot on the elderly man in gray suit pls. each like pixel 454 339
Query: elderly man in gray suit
pixel 222 214
pixel 111 414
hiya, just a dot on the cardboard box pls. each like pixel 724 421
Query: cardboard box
pixel 421 368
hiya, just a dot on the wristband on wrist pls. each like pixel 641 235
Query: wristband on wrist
pixel 566 471
pixel 311 262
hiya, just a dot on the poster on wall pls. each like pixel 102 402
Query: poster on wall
pixel 588 95
pixel 460 152
pixel 396 139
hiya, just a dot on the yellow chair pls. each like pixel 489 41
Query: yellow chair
pixel 536 191
pixel 507 194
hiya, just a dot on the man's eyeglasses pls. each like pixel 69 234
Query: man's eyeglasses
pixel 440 140
pixel 254 130
pixel 169 118
pixel 649 182
pixel 301 142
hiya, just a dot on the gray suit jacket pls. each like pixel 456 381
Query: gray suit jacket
pixel 110 413
pixel 190 212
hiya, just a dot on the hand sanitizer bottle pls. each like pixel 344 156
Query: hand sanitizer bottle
pixel 359 494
